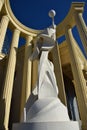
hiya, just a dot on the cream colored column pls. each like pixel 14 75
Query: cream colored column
pixel 58 73
pixel 1 4
pixel 78 77
pixel 3 29
pixel 26 85
pixel 82 29
pixel 29 66
pixel 8 83
pixel 34 71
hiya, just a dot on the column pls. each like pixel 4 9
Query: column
pixel 3 29
pixel 29 66
pixel 1 4
pixel 58 73
pixel 26 85
pixel 78 77
pixel 82 29
pixel 9 79
pixel 34 71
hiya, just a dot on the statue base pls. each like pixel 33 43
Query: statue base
pixel 65 125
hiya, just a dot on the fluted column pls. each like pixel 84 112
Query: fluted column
pixel 58 73
pixel 26 85
pixel 8 83
pixel 29 66
pixel 3 29
pixel 78 77
pixel 34 71
pixel 1 4
pixel 82 29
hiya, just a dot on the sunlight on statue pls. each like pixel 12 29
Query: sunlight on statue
pixel 46 84
pixel 47 106
pixel 46 39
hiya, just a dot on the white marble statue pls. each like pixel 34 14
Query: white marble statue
pixel 46 84
pixel 47 106
pixel 44 110
pixel 46 39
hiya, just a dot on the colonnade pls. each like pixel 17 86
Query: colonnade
pixel 80 84
pixel 10 70
pixel 79 81
pixel 8 83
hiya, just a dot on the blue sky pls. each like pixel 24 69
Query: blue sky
pixel 34 14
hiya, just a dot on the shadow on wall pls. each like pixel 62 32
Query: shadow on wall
pixel 2 113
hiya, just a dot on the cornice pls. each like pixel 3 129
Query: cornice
pixel 17 24
pixel 69 20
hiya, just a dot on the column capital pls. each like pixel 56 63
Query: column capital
pixel 28 39
pixel 68 33
pixel 17 30
pixel 78 14
pixel 6 17
pixel 68 27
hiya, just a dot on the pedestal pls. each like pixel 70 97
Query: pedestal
pixel 66 125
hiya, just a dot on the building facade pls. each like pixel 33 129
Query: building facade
pixel 18 74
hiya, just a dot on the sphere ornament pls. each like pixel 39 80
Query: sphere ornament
pixel 52 13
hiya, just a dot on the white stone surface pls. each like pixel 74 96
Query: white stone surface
pixel 44 41
pixel 47 107
pixel 47 126
pixel 46 110
pixel 47 86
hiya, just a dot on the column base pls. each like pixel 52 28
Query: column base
pixel 66 125
pixel 2 56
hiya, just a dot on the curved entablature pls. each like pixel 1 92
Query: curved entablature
pixel 77 6
pixel 70 18
pixel 17 24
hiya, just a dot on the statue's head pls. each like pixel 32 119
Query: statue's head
pixel 52 14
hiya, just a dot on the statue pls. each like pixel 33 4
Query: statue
pixel 46 84
pixel 44 110
pixel 46 39
pixel 46 106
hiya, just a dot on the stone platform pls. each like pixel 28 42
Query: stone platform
pixel 66 125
